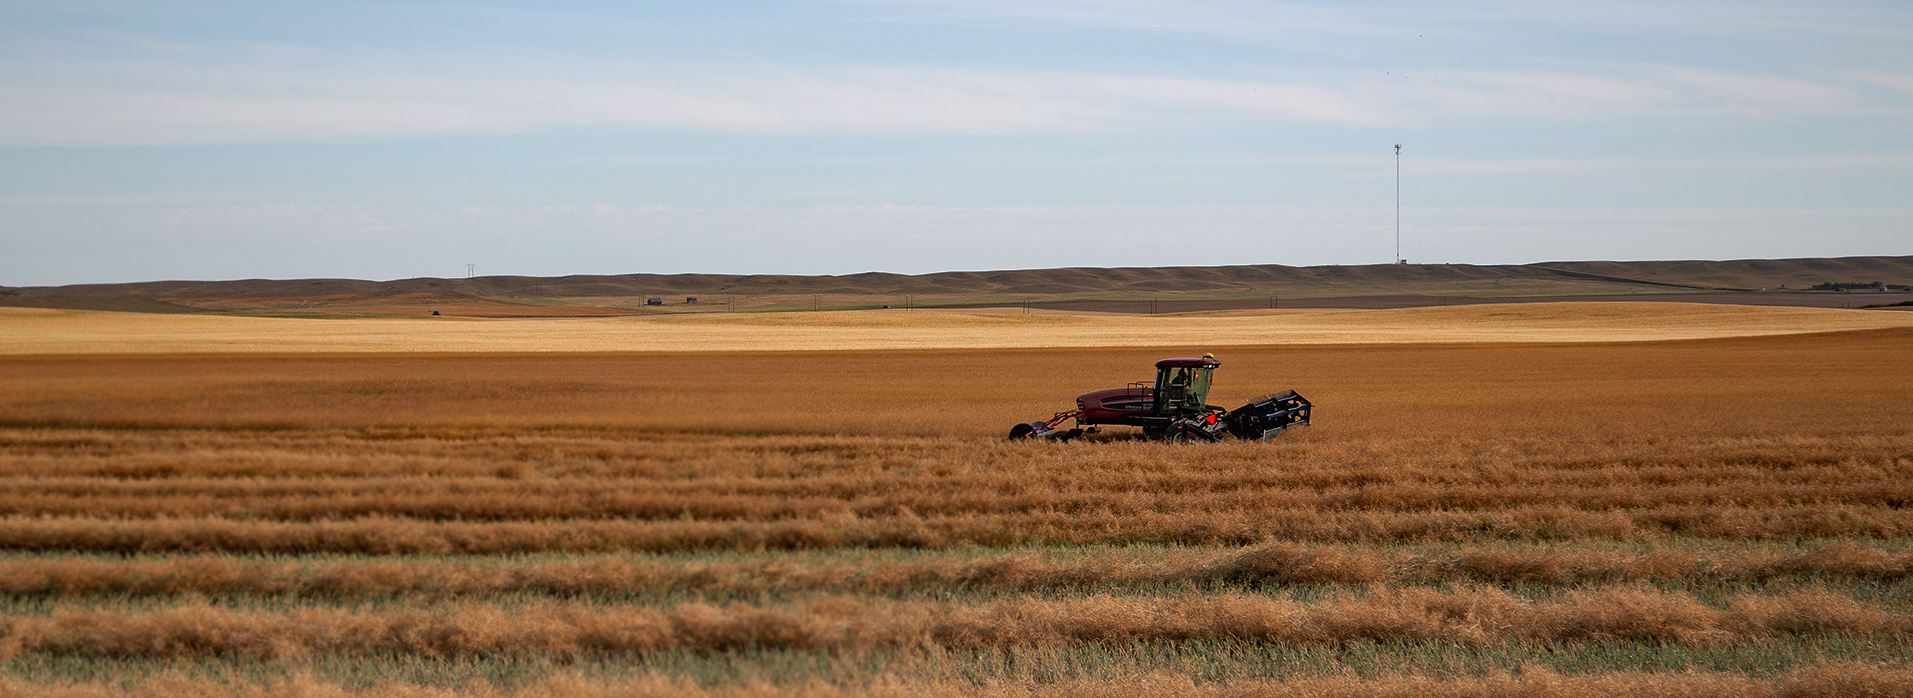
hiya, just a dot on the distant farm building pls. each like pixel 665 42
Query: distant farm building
pixel 654 301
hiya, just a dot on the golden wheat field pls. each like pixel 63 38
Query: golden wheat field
pixel 1537 504
pixel 36 331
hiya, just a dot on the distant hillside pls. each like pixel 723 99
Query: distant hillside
pixel 626 291
pixel 1754 274
pixel 1016 282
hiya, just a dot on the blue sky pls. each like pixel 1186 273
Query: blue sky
pixel 145 141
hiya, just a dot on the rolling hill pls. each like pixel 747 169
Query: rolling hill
pixel 1760 282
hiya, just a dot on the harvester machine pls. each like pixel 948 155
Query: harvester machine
pixel 1173 408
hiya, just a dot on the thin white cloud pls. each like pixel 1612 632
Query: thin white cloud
pixel 1262 20
pixel 1818 161
pixel 1895 81
pixel 1233 18
pixel 1789 94
pixel 1511 94
pixel 1243 99
pixel 257 97
pixel 1665 214
pixel 397 241
pixel 1342 164
pixel 1729 18
pixel 254 94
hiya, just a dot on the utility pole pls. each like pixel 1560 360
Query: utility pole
pixel 1398 205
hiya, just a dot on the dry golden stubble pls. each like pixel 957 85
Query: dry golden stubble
pixel 221 576
pixel 1539 437
pixel 1271 564
pixel 1306 458
pixel 871 497
pixel 1746 388
pixel 1566 486
pixel 1521 442
pixel 1830 680
pixel 388 536
pixel 34 331
pixel 1386 614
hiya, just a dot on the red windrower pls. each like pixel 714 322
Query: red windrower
pixel 1174 408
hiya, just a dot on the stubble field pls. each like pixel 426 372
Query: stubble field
pixel 1698 517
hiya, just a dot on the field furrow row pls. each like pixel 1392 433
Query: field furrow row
pixel 1352 459
pixel 1277 563
pixel 1835 679
pixel 504 500
pixel 1395 614
pixel 382 535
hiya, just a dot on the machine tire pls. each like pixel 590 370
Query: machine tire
pixel 1021 431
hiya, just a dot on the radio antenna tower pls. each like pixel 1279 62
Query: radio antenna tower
pixel 1398 205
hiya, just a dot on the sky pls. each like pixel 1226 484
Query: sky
pixel 214 140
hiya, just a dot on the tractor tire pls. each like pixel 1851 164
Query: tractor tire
pixel 1021 431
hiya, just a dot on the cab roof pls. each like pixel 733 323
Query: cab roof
pixel 1188 363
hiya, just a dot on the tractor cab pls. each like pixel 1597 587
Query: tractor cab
pixel 1182 385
